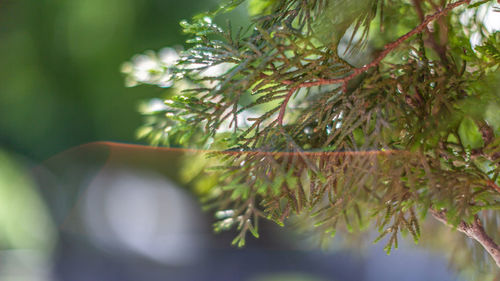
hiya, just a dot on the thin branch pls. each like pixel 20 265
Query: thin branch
pixel 387 48
pixel 475 231
pixel 418 8
pixel 284 104
pixel 438 48
pixel 493 185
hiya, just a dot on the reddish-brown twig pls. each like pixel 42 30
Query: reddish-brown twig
pixel 476 231
pixel 284 104
pixel 356 71
pixel 493 185
pixel 387 49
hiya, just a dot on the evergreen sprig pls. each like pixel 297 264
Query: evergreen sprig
pixel 305 129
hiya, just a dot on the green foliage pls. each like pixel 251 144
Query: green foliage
pixel 491 48
pixel 261 7
pixel 469 133
pixel 307 132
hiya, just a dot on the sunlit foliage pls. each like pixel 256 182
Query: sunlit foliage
pixel 346 113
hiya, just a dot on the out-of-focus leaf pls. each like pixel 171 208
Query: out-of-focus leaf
pixel 261 7
pixel 469 134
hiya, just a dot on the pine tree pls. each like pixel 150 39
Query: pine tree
pixel 342 114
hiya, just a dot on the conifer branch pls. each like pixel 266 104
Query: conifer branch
pixel 284 104
pixel 476 231
pixel 493 185
pixel 440 50
pixel 388 48
pixel 403 139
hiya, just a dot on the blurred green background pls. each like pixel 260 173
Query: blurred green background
pixel 60 80
pixel 60 87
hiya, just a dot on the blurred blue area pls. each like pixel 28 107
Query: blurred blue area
pixel 121 218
